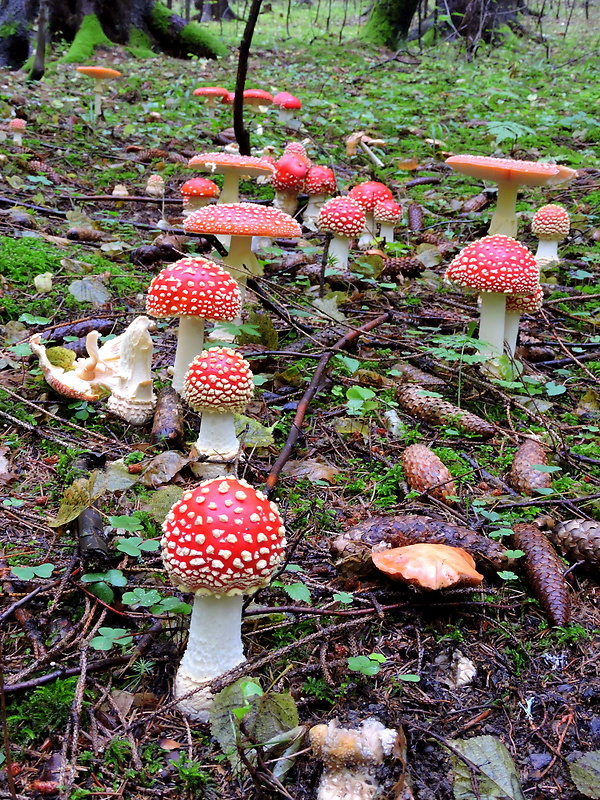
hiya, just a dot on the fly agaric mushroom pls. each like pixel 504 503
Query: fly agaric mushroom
pixel 350 757
pixel 193 289
pixel 242 221
pixel 509 174
pixel 319 185
pixel 517 304
pixel 218 384
pixel 429 566
pixel 286 104
pixel 550 225
pixel 232 167
pixel 223 539
pixel 388 214
pixel 99 74
pixel 197 192
pixel 297 148
pixel 258 99
pixel 288 181
pixel 17 127
pixel 367 195
pixel 495 266
pixel 345 219
pixel 155 186
pixel 132 397
pixel 212 96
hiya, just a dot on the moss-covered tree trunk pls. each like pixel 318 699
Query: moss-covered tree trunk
pixel 389 22
pixel 91 23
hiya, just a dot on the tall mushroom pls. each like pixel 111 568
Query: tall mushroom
pixel 495 266
pixel 232 167
pixel 288 181
pixel 345 219
pixel 550 225
pixel 367 195
pixel 319 185
pixel 213 95
pixel 193 289
pixel 133 397
pixel 100 75
pixel 286 104
pixel 258 99
pixel 509 174
pixel 218 384
pixel 517 304
pixel 222 540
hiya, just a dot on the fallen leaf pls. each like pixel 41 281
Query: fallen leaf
pixel 77 497
pixel 169 744
pixel 6 476
pixel 312 469
pixel 90 290
pixel 162 501
pixel 252 432
pixel 585 773
pixel 498 779
pixel 163 468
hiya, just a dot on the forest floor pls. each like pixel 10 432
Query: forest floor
pixel 89 657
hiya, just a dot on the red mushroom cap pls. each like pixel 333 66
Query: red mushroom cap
pixel 286 100
pixel 296 148
pixel 343 216
pixel 243 219
pixel 527 173
pixel 228 98
pixel 199 187
pixel 223 537
pixel 387 211
pixel 290 173
pixel 211 91
pixel 99 73
pixel 17 124
pixel 221 162
pixel 525 303
pixel 194 287
pixel 495 264
pixel 219 379
pixel 551 222
pixel 369 193
pixel 257 97
pixel 320 180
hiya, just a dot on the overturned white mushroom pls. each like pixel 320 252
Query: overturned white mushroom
pixel 132 397
pixel 350 757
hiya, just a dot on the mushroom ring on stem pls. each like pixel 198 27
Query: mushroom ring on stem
pixel 219 384
pixel 509 174
pixel 193 289
pixel 223 539
pixel 496 266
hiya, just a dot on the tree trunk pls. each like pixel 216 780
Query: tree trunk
pixel 389 22
pixel 39 62
pixel 215 10
pixel 16 21
pixel 473 20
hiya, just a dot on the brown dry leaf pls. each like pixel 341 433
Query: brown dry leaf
pixel 163 468
pixel 429 566
pixel 407 164
pixel 123 701
pixel 169 744
pixel 312 469
pixel 77 497
pixel 588 404
pixel 6 476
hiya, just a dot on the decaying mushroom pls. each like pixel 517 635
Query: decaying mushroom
pixel 429 566
pixel 133 397
pixel 350 757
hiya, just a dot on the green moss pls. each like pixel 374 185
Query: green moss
pixel 8 29
pixel 161 18
pixel 139 45
pixel 198 39
pixel 89 36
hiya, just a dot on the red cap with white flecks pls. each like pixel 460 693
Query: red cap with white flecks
pixel 290 173
pixel 219 379
pixel 320 180
pixel 525 303
pixel 243 219
pixel 286 100
pixel 527 173
pixel 211 91
pixel 369 193
pixel 551 223
pixel 221 162
pixel 199 187
pixel 495 264
pixel 194 287
pixel 223 537
pixel 342 216
pixel 387 211
pixel 295 147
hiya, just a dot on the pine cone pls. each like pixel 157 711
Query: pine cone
pixel 440 412
pixel 400 531
pixel 177 158
pixel 406 266
pixel 39 166
pixel 151 154
pixel 578 540
pixel 410 374
pixel 415 217
pixel 545 572
pixel 522 477
pixel 425 472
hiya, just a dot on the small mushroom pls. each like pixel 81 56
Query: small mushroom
pixel 429 566
pixel 550 224
pixel 345 219
pixel 99 74
pixel 17 127
pixel 213 95
pixel 133 397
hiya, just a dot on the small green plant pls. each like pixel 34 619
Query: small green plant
pixel 360 400
pixel 135 545
pixel 117 753
pixel 319 689
pixel 109 637
pixel 28 573
pixel 192 775
pixel 100 583
pixel 366 665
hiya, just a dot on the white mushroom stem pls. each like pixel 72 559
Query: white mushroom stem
pixel 511 331
pixel 217 440
pixel 286 201
pixel 504 220
pixel 312 210
pixel 285 115
pixel 491 323
pixel 367 150
pixel 242 261
pixel 190 343
pixel 193 204
pixel 230 193
pixel 386 231
pixel 339 247
pixel 368 234
pixel 98 86
pixel 547 249
pixel 214 647
pixel 18 138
